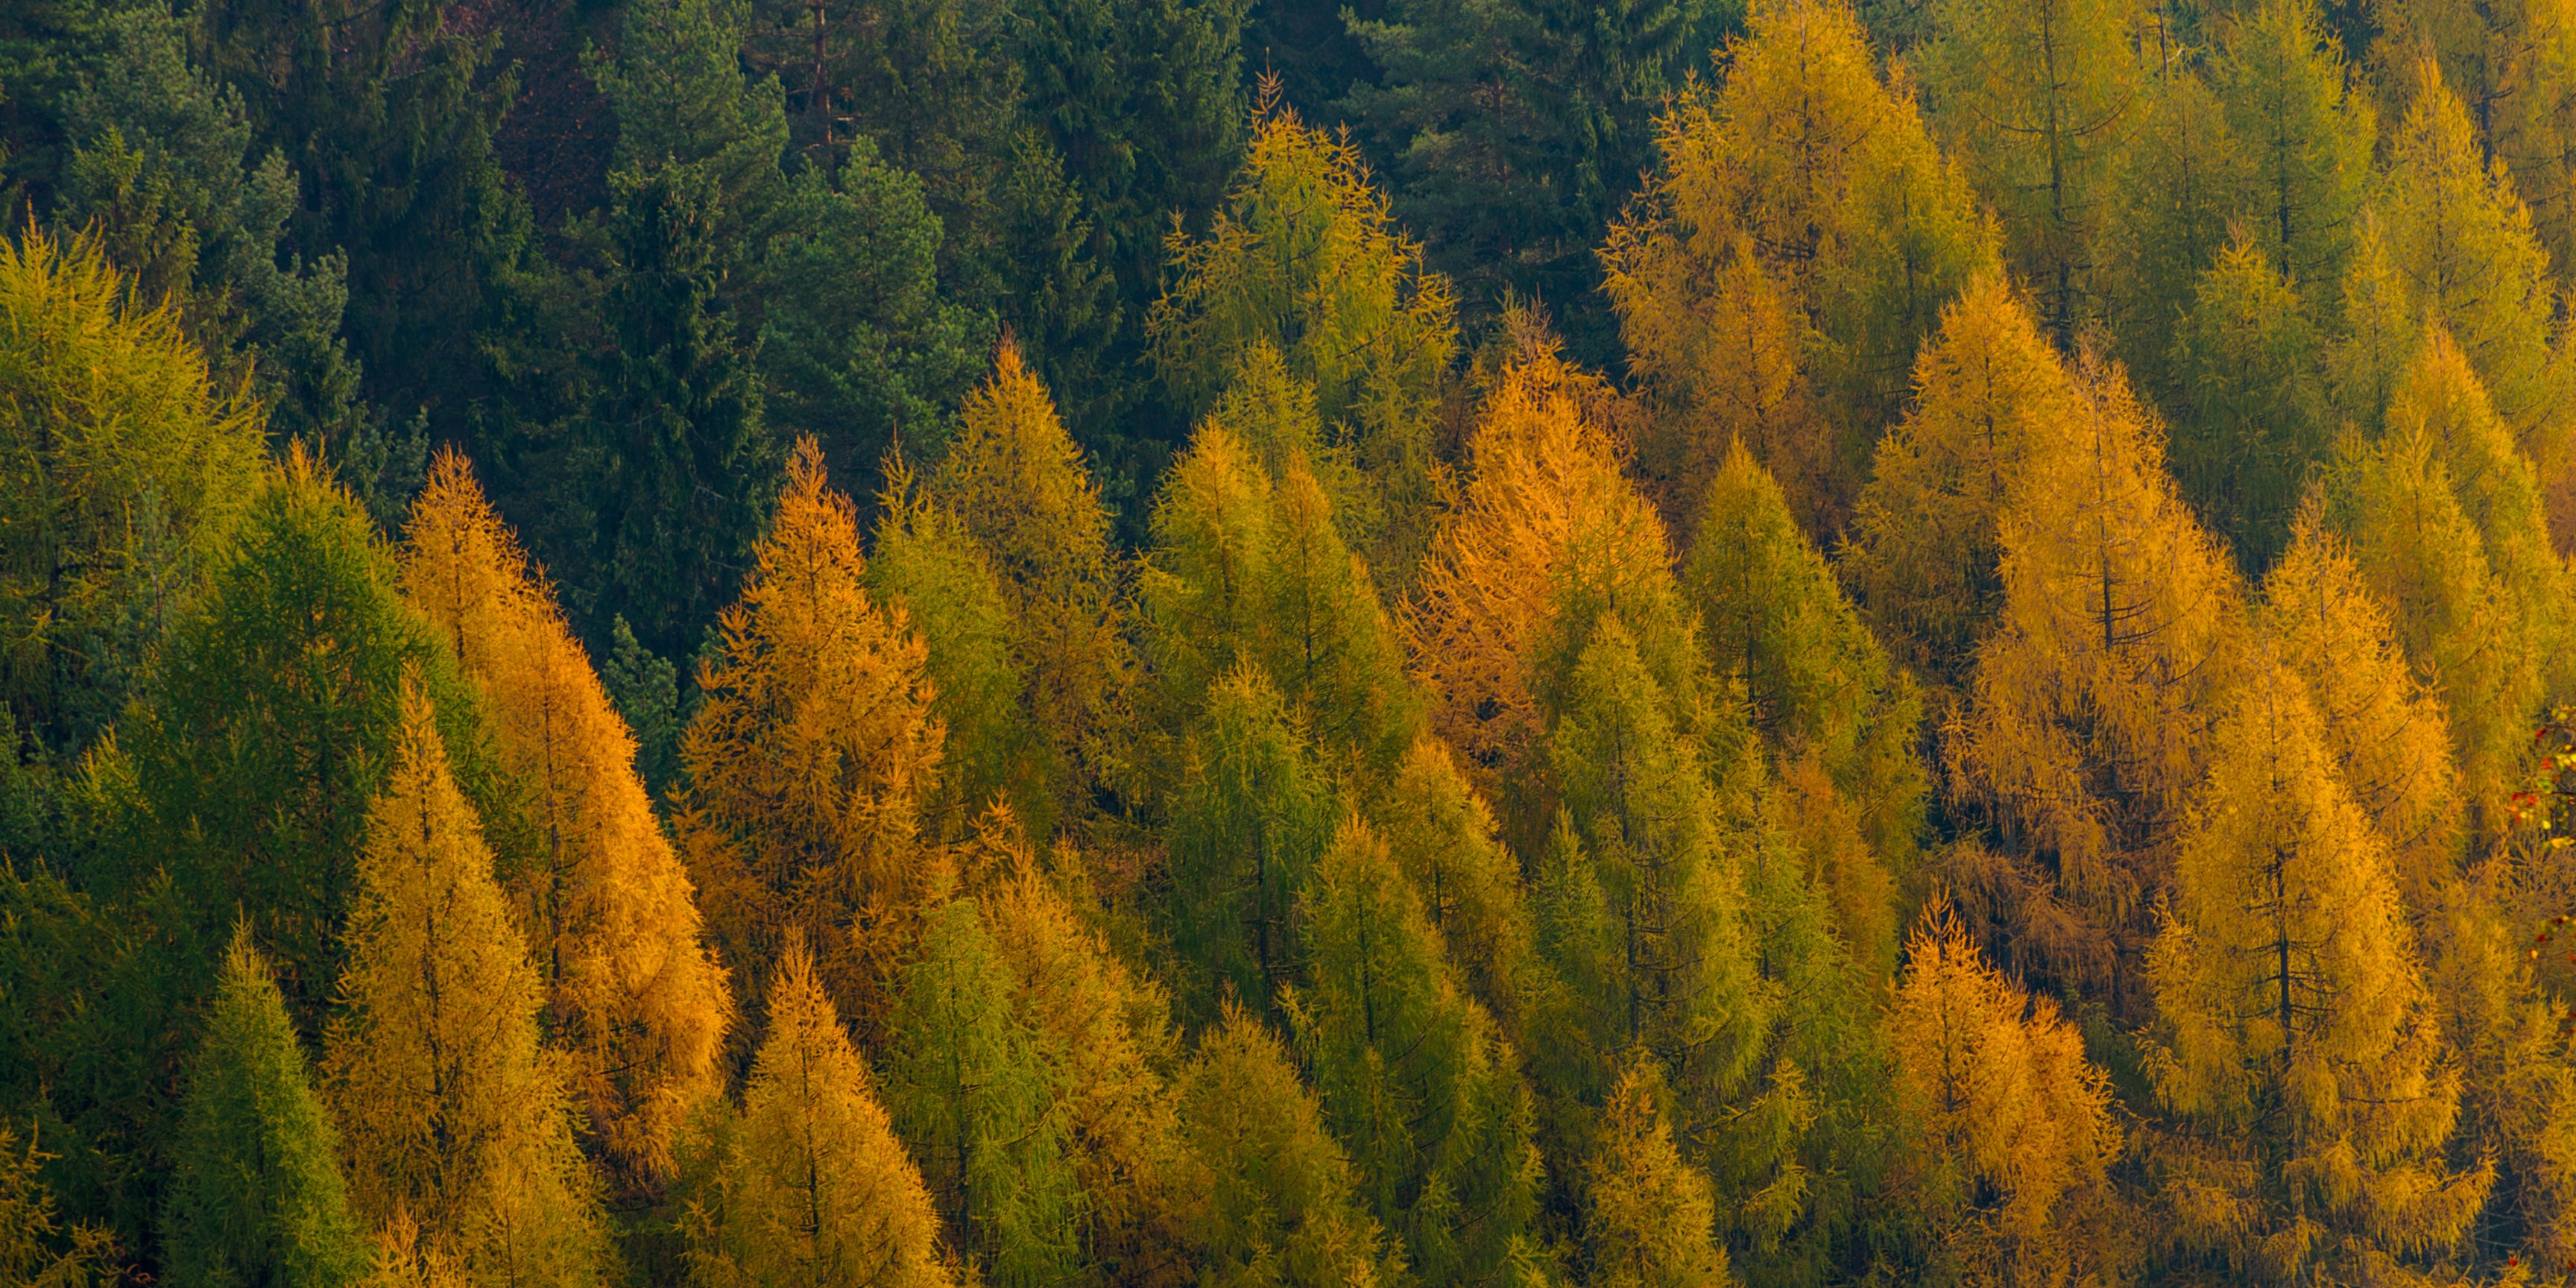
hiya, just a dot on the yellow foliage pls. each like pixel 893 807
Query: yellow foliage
pixel 1800 230
pixel 452 1114
pixel 809 756
pixel 1652 1215
pixel 2385 727
pixel 1550 535
pixel 2086 725
pixel 2302 1050
pixel 813 1187
pixel 2001 1102
pixel 1925 540
pixel 639 1005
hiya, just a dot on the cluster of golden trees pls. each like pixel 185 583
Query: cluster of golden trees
pixel 1990 760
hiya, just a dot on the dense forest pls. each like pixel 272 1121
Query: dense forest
pixel 1268 643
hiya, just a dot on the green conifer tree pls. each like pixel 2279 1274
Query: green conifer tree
pixel 255 1193
pixel 1413 1077
pixel 1248 818
pixel 2251 402
pixel 971 1092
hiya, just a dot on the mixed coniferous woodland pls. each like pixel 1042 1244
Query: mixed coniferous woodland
pixel 1261 644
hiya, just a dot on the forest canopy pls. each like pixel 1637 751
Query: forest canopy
pixel 1286 644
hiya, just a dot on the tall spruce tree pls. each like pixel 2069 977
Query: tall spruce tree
pixel 677 463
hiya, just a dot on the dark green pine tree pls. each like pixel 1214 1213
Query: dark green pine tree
pixel 163 169
pixel 681 465
pixel 1513 131
pixel 645 688
pixel 256 1195
pixel 387 113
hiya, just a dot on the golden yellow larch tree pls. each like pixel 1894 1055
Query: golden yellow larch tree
pixel 2298 1049
pixel 1550 536
pixel 813 746
pixel 633 996
pixel 810 1185
pixel 2440 399
pixel 1016 480
pixel 1924 546
pixel 453 1115
pixel 2385 727
pixel 2014 1128
pixel 1801 231
pixel 2086 725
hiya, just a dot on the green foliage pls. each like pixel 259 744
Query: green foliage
pixel 128 466
pixel 256 1196
pixel 677 462
pixel 2246 362
pixel 1413 1077
pixel 1248 818
pixel 969 1090
pixel 646 691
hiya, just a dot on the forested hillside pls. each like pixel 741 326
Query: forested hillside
pixel 1268 644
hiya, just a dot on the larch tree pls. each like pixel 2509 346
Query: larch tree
pixel 255 1193
pixel 1925 546
pixel 973 1093
pixel 2385 726
pixel 1249 816
pixel 2377 333
pixel 2460 624
pixel 811 753
pixel 2167 203
pixel 1017 482
pixel 129 465
pixel 2440 400
pixel 928 567
pixel 2249 397
pixel 273 710
pixel 2014 1126
pixel 2305 137
pixel 2462 241
pixel 2038 97
pixel 1673 924
pixel 1248 568
pixel 1414 1078
pixel 1793 249
pixel 1304 256
pixel 2086 724
pixel 1549 537
pixel 1650 1219
pixel 1106 1028
pixel 811 1185
pixel 610 915
pixel 1283 1203
pixel 2509 64
pixel 454 1115
pixel 2299 1053
pixel 1773 618
pixel 1444 838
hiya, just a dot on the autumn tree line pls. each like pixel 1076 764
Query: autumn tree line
pixel 1168 644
